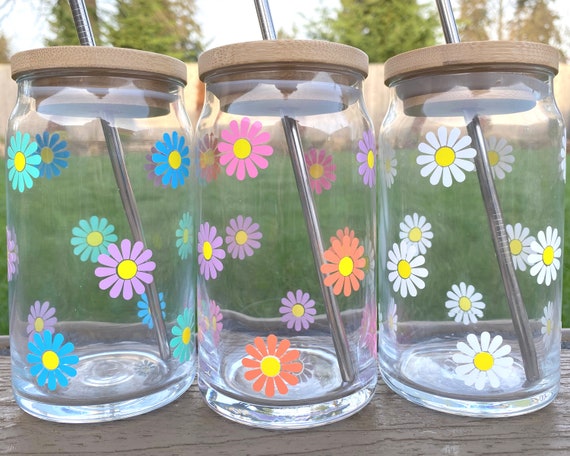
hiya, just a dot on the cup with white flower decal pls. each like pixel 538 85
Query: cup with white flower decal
pixel 102 322
pixel 448 339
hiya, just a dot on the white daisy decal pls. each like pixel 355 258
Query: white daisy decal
pixel 482 363
pixel 393 318
pixel 519 245
pixel 445 157
pixel 544 260
pixel 548 324
pixel 500 157
pixel 390 164
pixel 416 231
pixel 406 273
pixel 562 160
pixel 464 303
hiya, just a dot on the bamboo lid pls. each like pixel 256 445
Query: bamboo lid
pixel 104 59
pixel 471 56
pixel 286 52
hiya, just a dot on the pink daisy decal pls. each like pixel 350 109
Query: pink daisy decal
pixel 298 310
pixel 12 253
pixel 367 158
pixel 41 318
pixel 210 252
pixel 242 237
pixel 368 327
pixel 125 269
pixel 151 168
pixel 244 149
pixel 209 157
pixel 211 323
pixel 321 170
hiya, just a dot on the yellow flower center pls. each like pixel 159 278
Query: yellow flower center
pixel 316 171
pixel 516 246
pixel 208 251
pixel 19 161
pixel 47 155
pixel 465 303
pixel 388 165
pixel 370 159
pixel 207 158
pixel 127 269
pixel 483 361
pixel 185 236
pixel 415 234
pixel 298 310
pixel 346 266
pixel 94 239
pixel 174 159
pixel 214 322
pixel 270 366
pixel 242 148
pixel 493 157
pixel 50 360
pixel 241 237
pixel 186 335
pixel 549 326
pixel 404 269
pixel 444 156
pixel 548 255
pixel 39 324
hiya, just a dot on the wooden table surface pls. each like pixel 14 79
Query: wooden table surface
pixel 389 425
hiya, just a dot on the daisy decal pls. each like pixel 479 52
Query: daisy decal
pixel 53 153
pixel 321 170
pixel 272 365
pixel 464 303
pixel 184 236
pixel 211 322
pixel 243 237
pixel 243 148
pixel 12 253
pixel 92 238
pixel 549 325
pixel 393 318
pixel 183 332
pixel 500 157
pixel 405 271
pixel 368 327
pixel 209 158
pixel 51 360
pixel 544 260
pixel 445 157
pixel 210 252
pixel 416 232
pixel 298 310
pixel 344 263
pixel 482 363
pixel 171 159
pixel 366 157
pixel 390 167
pixel 151 168
pixel 41 318
pixel 519 245
pixel 126 269
pixel 23 161
pixel 144 311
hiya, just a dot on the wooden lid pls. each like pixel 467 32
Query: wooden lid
pixel 471 56
pixel 97 58
pixel 286 52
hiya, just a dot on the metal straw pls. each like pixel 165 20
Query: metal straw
pixel 295 146
pixel 115 149
pixel 495 217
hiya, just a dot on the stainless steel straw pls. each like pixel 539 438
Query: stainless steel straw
pixel 115 149
pixel 295 146
pixel 495 217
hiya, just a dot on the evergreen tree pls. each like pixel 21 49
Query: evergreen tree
pixel 473 20
pixel 62 26
pixel 4 49
pixel 535 20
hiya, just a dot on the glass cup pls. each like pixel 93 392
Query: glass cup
pixel 101 203
pixel 286 238
pixel 473 148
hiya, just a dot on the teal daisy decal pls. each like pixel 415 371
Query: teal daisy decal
pixel 51 360
pixel 92 238
pixel 22 162
pixel 144 311
pixel 184 236
pixel 54 154
pixel 183 333
pixel 171 159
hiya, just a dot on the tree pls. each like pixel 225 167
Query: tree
pixel 473 20
pixel 534 20
pixel 62 25
pixel 381 28
pixel 4 50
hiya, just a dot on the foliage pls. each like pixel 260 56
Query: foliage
pixel 4 49
pixel 62 26
pixel 473 20
pixel 535 21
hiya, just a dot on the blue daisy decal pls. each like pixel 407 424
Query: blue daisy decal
pixel 92 238
pixel 22 162
pixel 54 154
pixel 144 311
pixel 183 333
pixel 184 236
pixel 51 360
pixel 172 160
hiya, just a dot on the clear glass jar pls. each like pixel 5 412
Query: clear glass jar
pixel 100 208
pixel 473 148
pixel 286 238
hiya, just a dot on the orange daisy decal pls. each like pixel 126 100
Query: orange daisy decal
pixel 273 365
pixel 345 263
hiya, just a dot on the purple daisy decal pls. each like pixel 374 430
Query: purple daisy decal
pixel 210 252
pixel 366 157
pixel 41 318
pixel 12 253
pixel 242 237
pixel 298 310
